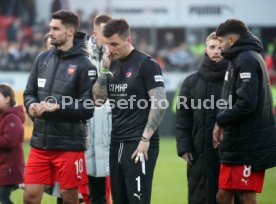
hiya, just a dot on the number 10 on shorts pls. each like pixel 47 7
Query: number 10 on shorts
pixel 79 167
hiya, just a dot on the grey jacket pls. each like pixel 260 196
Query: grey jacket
pixel 99 128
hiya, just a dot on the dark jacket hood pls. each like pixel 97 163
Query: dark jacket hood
pixel 245 42
pixel 211 70
pixel 79 47
pixel 17 110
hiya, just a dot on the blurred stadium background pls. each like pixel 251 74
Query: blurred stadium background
pixel 172 31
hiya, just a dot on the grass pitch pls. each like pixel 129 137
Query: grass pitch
pixel 170 183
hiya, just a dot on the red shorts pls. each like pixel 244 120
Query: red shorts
pixel 241 177
pixel 48 166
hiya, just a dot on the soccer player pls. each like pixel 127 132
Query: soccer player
pixel 194 126
pixel 99 127
pixel 245 133
pixel 64 76
pixel 130 81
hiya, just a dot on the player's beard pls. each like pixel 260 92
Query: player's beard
pixel 59 42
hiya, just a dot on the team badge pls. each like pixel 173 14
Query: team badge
pixel 129 72
pixel 71 69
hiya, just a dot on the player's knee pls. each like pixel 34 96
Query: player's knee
pixel 242 198
pixel 219 198
pixel 30 198
pixel 69 196
pixel 247 197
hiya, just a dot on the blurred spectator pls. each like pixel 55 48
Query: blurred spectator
pixel 21 42
pixel 46 42
pixel 3 55
pixel 269 61
pixel 90 21
pixel 58 5
pixel 168 40
pixel 84 24
pixel 23 9
pixel 14 52
pixel 14 29
pixel 179 57
pixel 5 22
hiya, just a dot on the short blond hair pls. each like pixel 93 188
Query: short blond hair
pixel 211 36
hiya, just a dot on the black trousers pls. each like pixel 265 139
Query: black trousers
pixel 131 183
pixel 97 190
pixel 5 193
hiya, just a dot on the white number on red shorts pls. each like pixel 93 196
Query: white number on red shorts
pixel 79 166
pixel 247 170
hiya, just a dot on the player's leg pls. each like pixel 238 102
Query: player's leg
pixel 37 174
pixel 252 183
pixel 118 187
pixel 33 193
pixel 97 190
pixel 71 174
pixel 239 178
pixel 138 177
pixel 59 201
pixel 70 195
pixel 248 197
pixel 225 196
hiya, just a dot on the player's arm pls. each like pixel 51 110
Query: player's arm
pixel 99 89
pixel 30 92
pixel 153 79
pixel 156 114
pixel 184 120
pixel 247 88
pixel 157 110
pixel 154 83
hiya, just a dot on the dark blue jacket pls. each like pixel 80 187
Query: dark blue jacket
pixel 67 77
pixel 194 127
pixel 249 126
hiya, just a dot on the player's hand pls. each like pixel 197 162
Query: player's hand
pixel 45 106
pixel 141 152
pixel 33 109
pixel 217 135
pixel 106 57
pixel 188 157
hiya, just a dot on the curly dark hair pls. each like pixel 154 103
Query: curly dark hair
pixel 233 26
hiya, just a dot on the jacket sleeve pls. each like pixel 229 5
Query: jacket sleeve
pixel 30 92
pixel 246 91
pixel 184 120
pixel 83 107
pixel 12 132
